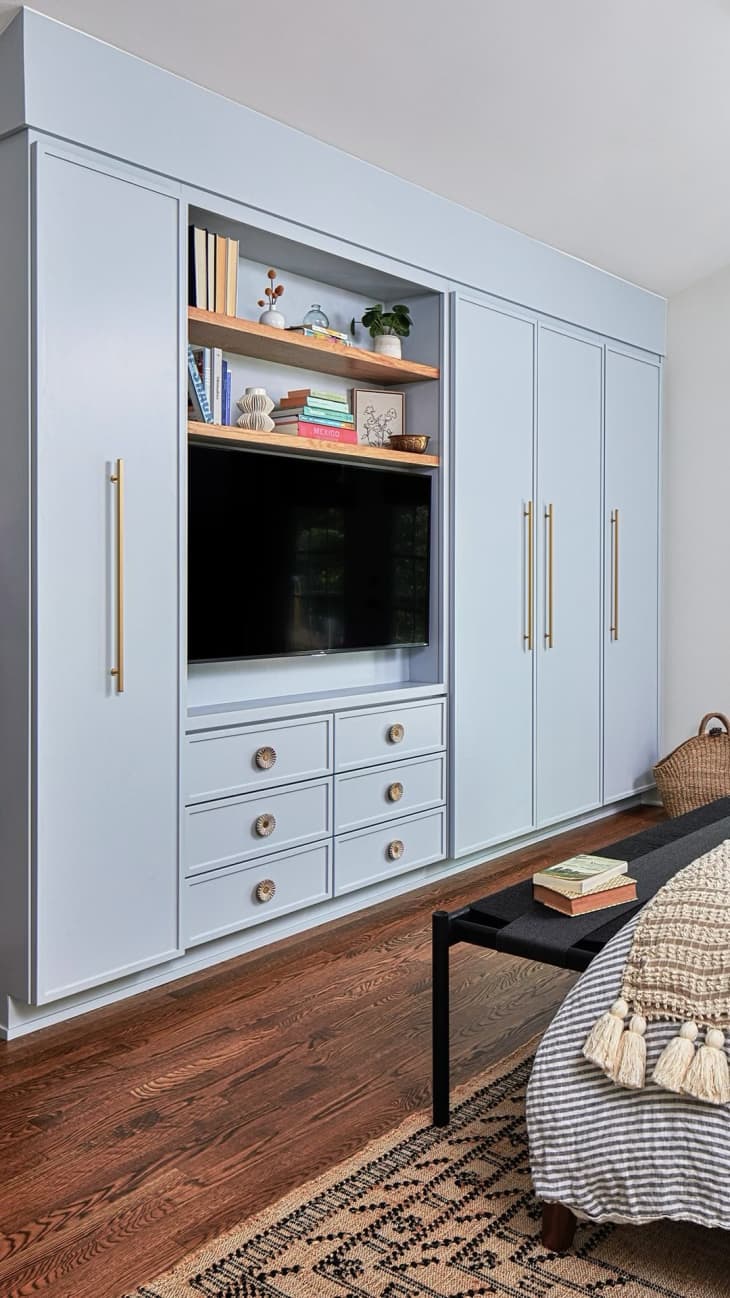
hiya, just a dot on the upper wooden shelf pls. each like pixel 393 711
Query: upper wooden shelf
pixel 246 338
pixel 199 432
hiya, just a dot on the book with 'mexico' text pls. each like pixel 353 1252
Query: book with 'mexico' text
pixel 320 432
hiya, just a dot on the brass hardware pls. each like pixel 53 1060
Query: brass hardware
pixel 266 890
pixel 265 758
pixel 528 637
pixel 118 671
pixel 265 824
pixel 395 792
pixel 549 639
pixel 395 850
pixel 614 589
pixel 396 733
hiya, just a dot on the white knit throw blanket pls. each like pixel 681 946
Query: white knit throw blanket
pixel 678 968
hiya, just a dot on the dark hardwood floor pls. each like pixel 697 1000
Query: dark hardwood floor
pixel 135 1133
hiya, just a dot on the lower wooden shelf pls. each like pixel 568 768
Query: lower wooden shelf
pixel 244 438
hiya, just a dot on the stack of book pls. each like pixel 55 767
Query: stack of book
pixel 584 884
pixel 212 271
pixel 321 331
pixel 307 412
pixel 209 386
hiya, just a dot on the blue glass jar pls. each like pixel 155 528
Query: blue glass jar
pixel 316 316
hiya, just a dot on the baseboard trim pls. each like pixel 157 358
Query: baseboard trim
pixel 22 1019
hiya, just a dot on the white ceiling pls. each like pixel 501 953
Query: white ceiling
pixel 599 126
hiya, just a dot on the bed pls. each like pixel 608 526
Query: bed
pixel 610 1155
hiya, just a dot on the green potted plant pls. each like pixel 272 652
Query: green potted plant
pixel 387 327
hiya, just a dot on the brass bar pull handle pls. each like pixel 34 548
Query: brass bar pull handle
pixel 528 513
pixel 549 520
pixel 118 671
pixel 614 587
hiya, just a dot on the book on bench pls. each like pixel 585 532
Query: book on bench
pixel 614 892
pixel 580 874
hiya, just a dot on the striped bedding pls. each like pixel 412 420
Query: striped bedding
pixel 617 1155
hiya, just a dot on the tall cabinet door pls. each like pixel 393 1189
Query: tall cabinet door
pixel 568 748
pixel 492 734
pixel 632 574
pixel 106 575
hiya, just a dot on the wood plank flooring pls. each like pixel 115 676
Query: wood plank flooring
pixel 135 1133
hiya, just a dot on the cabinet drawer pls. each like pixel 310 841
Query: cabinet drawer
pixel 221 763
pixel 221 833
pixel 384 734
pixel 373 854
pixel 227 900
pixel 365 797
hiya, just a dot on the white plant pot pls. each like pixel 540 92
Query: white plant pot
pixel 274 319
pixel 387 345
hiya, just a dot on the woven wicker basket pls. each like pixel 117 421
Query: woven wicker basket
pixel 698 771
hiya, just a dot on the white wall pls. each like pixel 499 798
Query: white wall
pixel 696 511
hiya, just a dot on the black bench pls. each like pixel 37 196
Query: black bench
pixel 511 922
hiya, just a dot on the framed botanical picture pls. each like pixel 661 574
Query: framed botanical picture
pixel 378 414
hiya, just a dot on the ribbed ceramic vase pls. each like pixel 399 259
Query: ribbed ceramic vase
pixel 255 406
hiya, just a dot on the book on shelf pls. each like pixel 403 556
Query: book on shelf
pixel 313 415
pixel 614 892
pixel 226 394
pixel 317 331
pixel 320 432
pixel 216 384
pixel 221 274
pixel 301 395
pixel 232 249
pixel 197 267
pixel 196 391
pixel 325 404
pixel 583 871
pixel 210 270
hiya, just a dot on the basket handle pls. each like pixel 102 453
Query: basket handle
pixel 716 716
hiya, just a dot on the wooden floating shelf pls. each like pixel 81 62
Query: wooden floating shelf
pixel 246 338
pixel 199 432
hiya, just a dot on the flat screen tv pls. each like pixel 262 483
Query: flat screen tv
pixel 297 556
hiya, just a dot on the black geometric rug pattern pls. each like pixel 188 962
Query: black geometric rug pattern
pixel 444 1213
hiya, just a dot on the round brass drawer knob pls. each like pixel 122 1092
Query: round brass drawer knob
pixel 265 758
pixel 396 733
pixel 395 850
pixel 395 792
pixel 265 825
pixel 266 890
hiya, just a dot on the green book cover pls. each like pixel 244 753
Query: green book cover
pixel 583 871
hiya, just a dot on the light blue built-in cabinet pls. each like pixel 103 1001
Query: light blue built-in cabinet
pixel 553 709
pixel 631 534
pixel 567 544
pixel 493 623
pixel 207 808
pixel 105 575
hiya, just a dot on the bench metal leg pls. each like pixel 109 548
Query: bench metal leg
pixel 440 926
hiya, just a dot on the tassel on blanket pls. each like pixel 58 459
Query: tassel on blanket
pixel 604 1039
pixel 708 1077
pixel 631 1064
pixel 673 1064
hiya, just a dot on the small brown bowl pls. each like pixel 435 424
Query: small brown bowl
pixel 416 443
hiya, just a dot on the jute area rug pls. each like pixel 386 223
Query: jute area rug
pixel 427 1213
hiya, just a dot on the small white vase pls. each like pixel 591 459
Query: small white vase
pixel 387 345
pixel 274 319
pixel 255 406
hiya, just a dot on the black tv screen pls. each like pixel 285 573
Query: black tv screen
pixel 297 556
